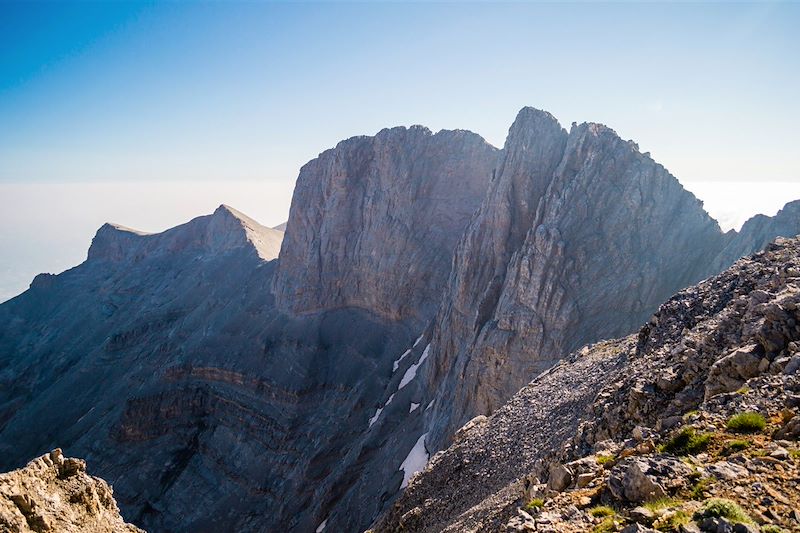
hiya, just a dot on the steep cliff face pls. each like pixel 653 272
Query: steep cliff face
pixel 580 238
pixel 55 493
pixel 374 222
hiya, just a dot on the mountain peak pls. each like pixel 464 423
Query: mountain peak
pixel 224 230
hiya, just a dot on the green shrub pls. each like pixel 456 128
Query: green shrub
pixel 661 503
pixel 771 528
pixel 534 505
pixel 687 441
pixel 750 422
pixel 602 510
pixel 604 459
pixel 736 445
pixel 720 507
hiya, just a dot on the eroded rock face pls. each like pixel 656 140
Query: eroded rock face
pixel 580 238
pixel 605 406
pixel 374 222
pixel 54 493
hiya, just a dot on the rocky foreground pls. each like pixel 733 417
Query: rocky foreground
pixel 690 425
pixel 55 493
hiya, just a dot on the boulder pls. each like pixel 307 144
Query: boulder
pixel 730 372
pixel 560 477
pixel 639 479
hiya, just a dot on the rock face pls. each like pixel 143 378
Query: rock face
pixel 423 277
pixel 757 232
pixel 54 493
pixel 630 421
pixel 374 222
pixel 580 238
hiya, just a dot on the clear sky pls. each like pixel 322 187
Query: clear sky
pixel 159 97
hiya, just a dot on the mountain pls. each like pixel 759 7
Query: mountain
pixel 423 279
pixel 699 407
pixel 580 238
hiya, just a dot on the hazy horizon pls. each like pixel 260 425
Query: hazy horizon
pixel 33 243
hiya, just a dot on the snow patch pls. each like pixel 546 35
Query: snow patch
pixel 430 405
pixel 375 418
pixel 413 407
pixel 411 373
pixel 321 527
pixel 380 410
pixel 415 461
pixel 397 363
pixel 419 339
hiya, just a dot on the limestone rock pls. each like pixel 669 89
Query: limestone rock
pixel 56 494
pixel 374 222
pixel 638 479
pixel 729 373
pixel 560 478
pixel 579 240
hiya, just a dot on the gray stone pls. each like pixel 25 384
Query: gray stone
pixel 639 479
pixel 642 515
pixel 560 477
pixel 730 372
pixel 727 470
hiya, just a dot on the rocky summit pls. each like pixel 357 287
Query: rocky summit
pixel 55 493
pixel 225 376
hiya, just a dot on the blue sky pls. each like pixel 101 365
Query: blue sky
pixel 154 91
pixel 147 114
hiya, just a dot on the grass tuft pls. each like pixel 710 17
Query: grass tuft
pixel 606 526
pixel 673 522
pixel 687 442
pixel 604 459
pixel 661 503
pixel 602 510
pixel 720 507
pixel 750 422
pixel 534 505
pixel 735 445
